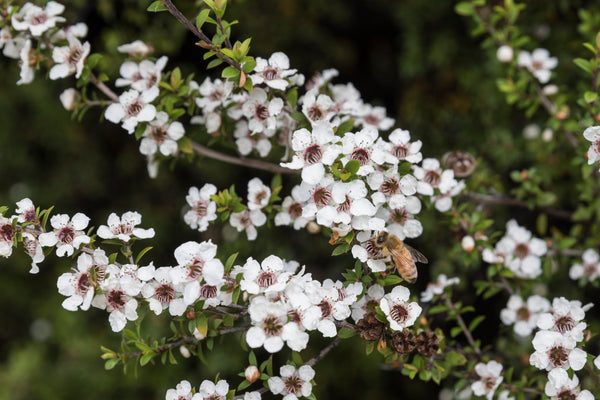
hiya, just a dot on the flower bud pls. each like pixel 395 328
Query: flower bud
pixel 69 99
pixel 252 373
pixel 531 131
pixel 191 314
pixel 505 54
pixel 550 90
pixel 468 243
pixel 185 352
pixel 313 227
pixel 547 135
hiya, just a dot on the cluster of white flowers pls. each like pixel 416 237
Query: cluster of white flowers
pixel 436 288
pixel 524 314
pixel 588 269
pixel 518 251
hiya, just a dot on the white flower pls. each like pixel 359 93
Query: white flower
pixel 293 383
pixel 7 236
pixel 34 249
pixel 211 391
pixel 374 117
pixel 268 276
pixel 248 221
pixel 124 228
pixel 592 134
pixel 258 194
pixel 203 209
pixel 79 285
pixel 437 287
pixel 491 378
pixel 524 315
pixel 398 311
pixel 214 94
pixel 26 211
pixel 291 211
pixel 431 177
pixel 69 59
pixel 368 302
pixel 246 140
pixel 261 112
pixel 553 350
pixel 539 63
pixel 359 146
pixel 402 148
pixel 133 107
pixel 505 53
pixel 565 317
pixel 142 76
pixel 273 71
pixel 36 19
pixel 68 233
pixel 317 108
pixel 183 391
pixel 161 291
pixel 196 262
pixel 559 386
pixel 135 48
pixel 160 135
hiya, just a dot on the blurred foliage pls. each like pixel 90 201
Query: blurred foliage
pixel 416 57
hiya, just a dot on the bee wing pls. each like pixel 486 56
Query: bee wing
pixel 401 257
pixel 416 254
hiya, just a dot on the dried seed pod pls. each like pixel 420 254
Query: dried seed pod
pixel 369 328
pixel 461 162
pixel 427 343
pixel 403 342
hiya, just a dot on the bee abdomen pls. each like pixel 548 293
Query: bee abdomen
pixel 409 275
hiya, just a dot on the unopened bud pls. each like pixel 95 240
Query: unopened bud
pixel 468 243
pixel 562 113
pixel 531 131
pixel 313 227
pixel 252 373
pixel 505 53
pixel 69 99
pixel 547 135
pixel 550 90
pixel 185 352
pixel 524 175
pixel 461 162
pixel 191 314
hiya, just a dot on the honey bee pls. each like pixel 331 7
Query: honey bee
pixel 403 256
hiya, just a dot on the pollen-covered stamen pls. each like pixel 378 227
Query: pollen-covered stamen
pixel 315 113
pixel 269 74
pixel 372 119
pixel 345 206
pixel 313 154
pixel 521 250
pixel 399 313
pixel 134 108
pixel 433 178
pixel 7 233
pixel 122 229
pixel 361 155
pixel 537 65
pixel 342 294
pixel 294 316
pixel 30 246
pixel 566 395
pixel 216 95
pixel 195 268
pixel 564 324
pixel 116 299
pixel 293 384
pixel 83 284
pixel 322 197
pixel 589 270
pixel 266 279
pixel 201 208
pixel 399 215
pixel 489 382
pixel 245 220
pixel 97 274
pixel 66 235
pixel 151 81
pixel 295 210
pixel 164 293
pixel 558 356
pixel 136 77
pixel 261 112
pixel 326 309
pixel 208 291
pixel 159 134
pixel 30 215
pixel 523 314
pixel 390 186
pixel 272 325
pixel 74 56
pixel 400 152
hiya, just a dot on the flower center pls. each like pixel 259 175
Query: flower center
pixel 134 108
pixel 389 187
pixel 537 65
pixel 322 197
pixel 589 270
pixel 208 291
pixel 260 196
pixel 293 384
pixel 83 283
pixel 521 250
pixel 261 113
pixel 558 356
pixel 489 382
pixel 164 293
pixel 400 152
pixel 122 229
pixel 399 313
pixel 66 235
pixel 38 19
pixel 201 208
pixel 195 269
pixel 216 95
pixel 269 74
pixel 326 308
pixel 295 210
pixel 272 325
pixel 30 215
pixel 7 233
pixel 372 120
pixel 361 155
pixel 116 299
pixel 74 56
pixel 564 324
pixel 399 215
pixel 159 134
pixel 315 113
pixel 433 178
pixel 345 206
pixel 266 279
pixel 294 316
pixel 566 395
pixel 313 154
pixel 523 314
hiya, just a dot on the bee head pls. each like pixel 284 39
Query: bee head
pixel 382 237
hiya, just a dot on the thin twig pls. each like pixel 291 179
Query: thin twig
pixel 103 88
pixel 463 326
pixel 487 199
pixel 323 352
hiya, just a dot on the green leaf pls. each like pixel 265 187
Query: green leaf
pixel 141 254
pixel 346 333
pixel 157 6
pixel 110 364
pixel 252 358
pixel 438 309
pixel 352 166
pixel 230 72
pixel 214 63
pixel 454 358
pixel 249 66
pixel 292 97
pixel 454 332
pixel 93 59
pixel 590 96
pixel 201 18
pixel 145 359
pixel 230 261
pixel 476 321
pixel 341 249
pixel 583 64
pixel 185 145
pixel 202 323
pixel 464 8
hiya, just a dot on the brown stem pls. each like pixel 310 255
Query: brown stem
pixel 103 88
pixel 487 199
pixel 463 326
pixel 323 352
pixel 593 374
